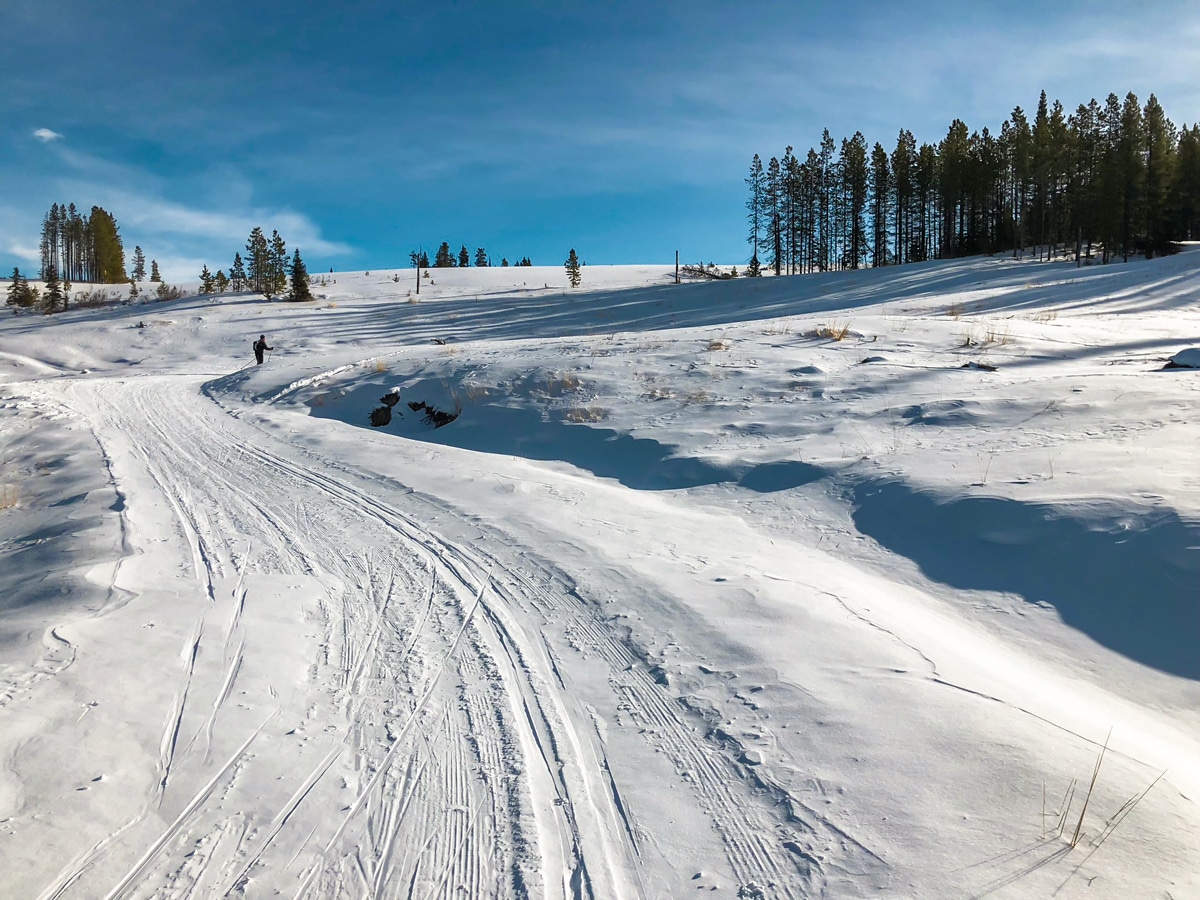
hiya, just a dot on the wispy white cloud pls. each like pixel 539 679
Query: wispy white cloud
pixel 158 216
pixel 15 231
pixel 25 251
pixel 182 236
pixel 45 135
pixel 121 189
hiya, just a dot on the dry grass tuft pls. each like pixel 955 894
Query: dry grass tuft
pixel 986 337
pixel 97 297
pixel 838 331
pixel 581 415
pixel 1062 813
pixel 955 310
pixel 562 384
pixel 379 366
pixel 658 393
pixel 699 397
pixel 10 496
pixel 719 344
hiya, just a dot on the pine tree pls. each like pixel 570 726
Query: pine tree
pixel 1060 164
pixel 237 274
pixel 71 233
pixel 927 239
pixel 154 276
pixel 54 294
pixel 258 261
pixel 107 256
pixel 1186 189
pixel 464 257
pixel 953 153
pixel 773 234
pixel 443 259
pixel 792 175
pixel 855 180
pixel 278 266
pixel 755 209
pixel 50 240
pixel 481 258
pixel 300 290
pixel 881 192
pixel 504 262
pixel 133 290
pixel 139 264
pixel 14 289
pixel 207 282
pixel 811 175
pixel 20 294
pixel 573 272
pixel 1083 185
pixel 1020 160
pixel 1041 163
pixel 1160 176
pixel 1132 173
pixel 826 213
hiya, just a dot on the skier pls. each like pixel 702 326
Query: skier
pixel 259 346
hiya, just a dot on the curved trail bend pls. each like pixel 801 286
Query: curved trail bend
pixel 361 707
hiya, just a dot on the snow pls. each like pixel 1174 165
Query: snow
pixel 1186 359
pixel 829 585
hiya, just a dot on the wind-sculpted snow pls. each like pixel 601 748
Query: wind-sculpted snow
pixel 825 586
pixel 640 463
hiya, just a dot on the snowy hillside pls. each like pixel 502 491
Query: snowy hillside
pixel 821 586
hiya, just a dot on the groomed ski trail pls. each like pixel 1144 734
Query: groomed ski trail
pixel 435 749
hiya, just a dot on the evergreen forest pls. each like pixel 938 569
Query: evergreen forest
pixel 1105 182
pixel 82 248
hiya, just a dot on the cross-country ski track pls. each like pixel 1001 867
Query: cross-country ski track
pixel 459 764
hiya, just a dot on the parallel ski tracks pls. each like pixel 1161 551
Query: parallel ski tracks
pixel 476 773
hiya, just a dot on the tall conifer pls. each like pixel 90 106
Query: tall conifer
pixel 573 271
pixel 237 274
pixel 299 279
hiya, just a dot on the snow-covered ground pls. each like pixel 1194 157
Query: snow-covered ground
pixel 788 587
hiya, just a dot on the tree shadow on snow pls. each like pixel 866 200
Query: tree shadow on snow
pixel 642 464
pixel 1129 580
pixel 639 463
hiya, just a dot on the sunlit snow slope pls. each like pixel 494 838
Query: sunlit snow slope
pixel 813 586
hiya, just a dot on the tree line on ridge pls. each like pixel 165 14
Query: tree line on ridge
pixel 1109 180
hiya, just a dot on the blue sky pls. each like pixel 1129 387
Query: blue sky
pixel 362 131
